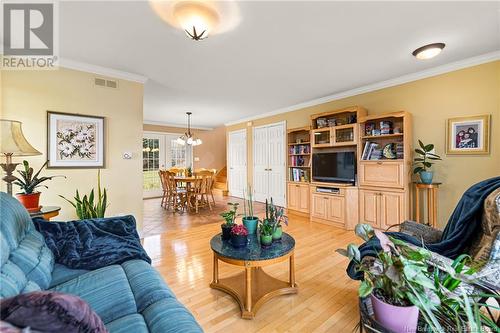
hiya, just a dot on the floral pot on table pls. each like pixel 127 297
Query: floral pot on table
pixel 395 318
pixel 426 177
pixel 226 231
pixel 239 235
pixel 277 233
pixel 266 240
pixel 30 201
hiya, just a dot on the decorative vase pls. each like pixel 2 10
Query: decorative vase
pixel 250 222
pixel 239 240
pixel 395 318
pixel 226 231
pixel 426 177
pixel 266 240
pixel 277 233
pixel 30 201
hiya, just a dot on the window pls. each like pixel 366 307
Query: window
pixel 151 163
pixel 178 154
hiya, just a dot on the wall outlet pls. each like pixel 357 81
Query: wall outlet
pixel 127 155
pixel 196 159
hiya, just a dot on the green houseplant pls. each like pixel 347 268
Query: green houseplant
pixel 89 206
pixel 229 217
pixel 266 233
pixel 400 279
pixel 249 220
pixel 275 215
pixel 29 182
pixel 423 162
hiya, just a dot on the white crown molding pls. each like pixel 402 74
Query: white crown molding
pixel 109 72
pixel 457 65
pixel 160 123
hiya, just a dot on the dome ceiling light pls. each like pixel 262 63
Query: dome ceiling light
pixel 198 18
pixel 428 51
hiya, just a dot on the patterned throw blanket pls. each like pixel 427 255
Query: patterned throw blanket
pixel 94 243
pixel 464 224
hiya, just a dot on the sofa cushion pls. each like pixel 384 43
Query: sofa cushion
pixel 44 311
pixel 26 263
pixel 131 323
pixel 61 274
pixel 106 290
pixel 170 316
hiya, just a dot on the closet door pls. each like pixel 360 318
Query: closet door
pixel 237 162
pixel 260 163
pixel 276 163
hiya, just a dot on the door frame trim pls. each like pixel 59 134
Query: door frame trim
pixel 283 123
pixel 228 152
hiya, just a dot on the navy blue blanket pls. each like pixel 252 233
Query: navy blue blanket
pixel 94 243
pixel 464 224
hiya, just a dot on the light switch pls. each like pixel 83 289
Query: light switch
pixel 196 159
pixel 127 155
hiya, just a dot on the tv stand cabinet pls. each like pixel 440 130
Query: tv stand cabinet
pixel 337 207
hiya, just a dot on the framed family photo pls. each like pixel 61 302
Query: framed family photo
pixel 75 141
pixel 468 135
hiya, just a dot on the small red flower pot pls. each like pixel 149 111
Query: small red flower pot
pixel 30 201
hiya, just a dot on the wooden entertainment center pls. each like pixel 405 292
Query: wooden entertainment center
pixel 380 192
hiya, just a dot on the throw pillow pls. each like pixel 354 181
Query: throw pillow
pixel 47 311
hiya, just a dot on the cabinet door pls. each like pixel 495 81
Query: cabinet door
pixel 369 207
pixel 303 201
pixel 318 206
pixel 335 210
pixel 381 173
pixel 293 196
pixel 392 207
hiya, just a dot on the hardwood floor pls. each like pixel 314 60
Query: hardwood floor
pixel 327 298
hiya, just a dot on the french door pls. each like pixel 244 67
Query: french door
pixel 237 162
pixel 269 169
pixel 161 151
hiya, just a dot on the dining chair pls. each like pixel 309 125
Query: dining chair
pixel 176 196
pixel 164 187
pixel 200 190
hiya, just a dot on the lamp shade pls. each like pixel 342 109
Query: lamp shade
pixel 12 140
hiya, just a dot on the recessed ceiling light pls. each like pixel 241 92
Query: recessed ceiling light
pixel 428 51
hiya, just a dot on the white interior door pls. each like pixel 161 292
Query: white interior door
pixel 260 163
pixel 276 163
pixel 237 162
pixel 269 167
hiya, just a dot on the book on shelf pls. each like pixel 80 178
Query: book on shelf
pixel 297 160
pixel 374 151
pixel 299 175
pixel 299 149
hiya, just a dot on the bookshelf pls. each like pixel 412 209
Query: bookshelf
pixel 299 154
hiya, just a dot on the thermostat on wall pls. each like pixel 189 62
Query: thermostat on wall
pixel 127 155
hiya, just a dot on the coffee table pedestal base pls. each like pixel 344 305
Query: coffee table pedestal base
pixel 263 288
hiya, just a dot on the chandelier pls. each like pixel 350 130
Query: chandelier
pixel 188 138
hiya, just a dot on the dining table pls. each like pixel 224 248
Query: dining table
pixel 186 182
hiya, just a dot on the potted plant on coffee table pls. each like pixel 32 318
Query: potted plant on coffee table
pixel 239 235
pixel 266 233
pixel 249 220
pixel 229 217
pixel 423 162
pixel 275 215
pixel 29 182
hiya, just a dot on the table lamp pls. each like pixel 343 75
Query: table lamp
pixel 13 143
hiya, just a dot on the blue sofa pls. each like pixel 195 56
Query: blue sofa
pixel 131 297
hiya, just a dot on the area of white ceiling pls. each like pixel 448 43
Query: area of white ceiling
pixel 281 54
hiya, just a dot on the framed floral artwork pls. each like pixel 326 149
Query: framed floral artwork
pixel 468 135
pixel 75 141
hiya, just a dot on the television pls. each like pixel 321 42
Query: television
pixel 334 167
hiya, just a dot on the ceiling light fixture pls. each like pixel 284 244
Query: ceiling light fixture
pixel 188 138
pixel 428 51
pixel 196 18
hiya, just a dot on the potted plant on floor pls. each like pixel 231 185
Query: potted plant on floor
pixel 266 233
pixel 249 220
pixel 392 281
pixel 229 217
pixel 422 162
pixel 239 235
pixel 275 215
pixel 29 182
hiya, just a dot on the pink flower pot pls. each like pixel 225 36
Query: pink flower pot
pixel 399 319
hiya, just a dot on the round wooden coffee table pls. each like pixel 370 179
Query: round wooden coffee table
pixel 253 287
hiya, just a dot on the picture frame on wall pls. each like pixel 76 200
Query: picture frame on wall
pixel 75 140
pixel 468 135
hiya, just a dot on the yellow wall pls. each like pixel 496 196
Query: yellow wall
pixel 470 91
pixel 27 95
pixel 211 154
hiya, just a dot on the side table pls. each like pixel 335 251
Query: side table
pixel 431 191
pixel 47 212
